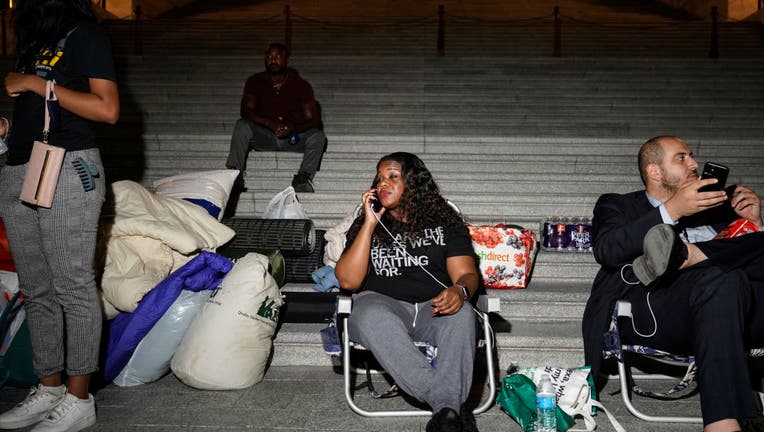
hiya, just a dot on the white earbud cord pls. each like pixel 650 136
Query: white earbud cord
pixel 649 307
pixel 483 316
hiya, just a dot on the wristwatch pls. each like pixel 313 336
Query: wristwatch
pixel 465 292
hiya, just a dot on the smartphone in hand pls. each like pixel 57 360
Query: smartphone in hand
pixel 717 171
pixel 376 205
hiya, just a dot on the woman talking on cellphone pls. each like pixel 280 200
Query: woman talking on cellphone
pixel 53 249
pixel 413 260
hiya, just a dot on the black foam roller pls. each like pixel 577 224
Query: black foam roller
pixel 301 268
pixel 293 237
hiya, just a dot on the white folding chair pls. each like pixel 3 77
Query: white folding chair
pixel 485 305
pixel 614 348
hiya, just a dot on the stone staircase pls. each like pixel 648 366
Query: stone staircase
pixel 509 140
pixel 406 37
pixel 510 134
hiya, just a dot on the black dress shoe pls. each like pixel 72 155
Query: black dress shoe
pixel 468 419
pixel 445 420
pixel 664 252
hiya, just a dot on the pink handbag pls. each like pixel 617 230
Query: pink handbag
pixel 44 164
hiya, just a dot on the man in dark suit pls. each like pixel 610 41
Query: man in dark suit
pixel 706 303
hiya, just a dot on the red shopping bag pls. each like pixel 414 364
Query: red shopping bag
pixel 737 228
pixel 506 254
pixel 6 262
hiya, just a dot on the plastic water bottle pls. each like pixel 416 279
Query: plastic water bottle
pixel 545 406
pixel 294 138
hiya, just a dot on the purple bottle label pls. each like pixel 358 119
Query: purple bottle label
pixel 581 237
pixel 560 239
pixel 548 233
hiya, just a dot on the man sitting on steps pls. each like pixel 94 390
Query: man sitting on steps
pixel 278 113
pixel 690 293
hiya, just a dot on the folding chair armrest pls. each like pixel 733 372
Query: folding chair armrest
pixel 488 304
pixel 344 305
pixel 623 308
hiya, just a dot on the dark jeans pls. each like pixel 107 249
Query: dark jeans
pixel 714 310
pixel 247 136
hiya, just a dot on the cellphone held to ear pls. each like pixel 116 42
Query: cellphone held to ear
pixel 375 204
pixel 717 171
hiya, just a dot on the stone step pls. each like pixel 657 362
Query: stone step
pixel 546 299
pixel 523 342
pixel 424 107
pixel 448 70
pixel 553 173
pixel 346 119
pixel 443 153
pixel 685 39
pixel 226 74
pixel 489 128
pixel 514 147
pixel 537 325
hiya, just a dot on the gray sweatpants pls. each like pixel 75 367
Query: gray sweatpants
pixel 389 327
pixel 247 135
pixel 53 251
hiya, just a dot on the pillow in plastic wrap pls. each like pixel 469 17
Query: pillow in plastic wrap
pixel 203 272
pixel 151 358
pixel 228 345
pixel 208 189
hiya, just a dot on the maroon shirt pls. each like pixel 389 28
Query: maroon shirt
pixel 288 102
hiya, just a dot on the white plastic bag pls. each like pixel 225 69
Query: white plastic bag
pixel 9 286
pixel 284 205
pixel 574 394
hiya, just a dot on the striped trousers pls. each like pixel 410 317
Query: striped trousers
pixel 53 250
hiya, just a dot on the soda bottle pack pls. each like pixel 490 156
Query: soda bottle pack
pixel 567 234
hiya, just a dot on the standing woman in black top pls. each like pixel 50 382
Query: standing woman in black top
pixel 53 249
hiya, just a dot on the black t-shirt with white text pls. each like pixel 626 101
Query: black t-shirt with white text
pixel 86 54
pixel 396 273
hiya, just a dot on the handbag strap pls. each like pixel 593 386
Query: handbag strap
pixel 50 97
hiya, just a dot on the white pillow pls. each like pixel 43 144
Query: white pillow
pixel 209 189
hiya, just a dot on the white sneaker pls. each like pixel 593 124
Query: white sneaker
pixel 33 408
pixel 69 415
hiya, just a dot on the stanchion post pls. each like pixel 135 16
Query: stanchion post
pixel 441 30
pixel 714 51
pixel 138 32
pixel 3 14
pixel 288 27
pixel 556 36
